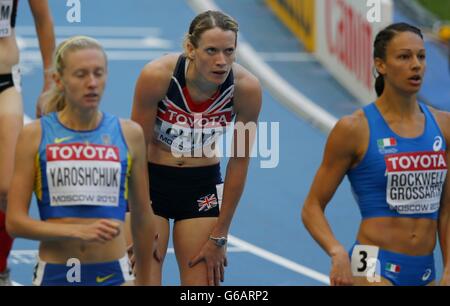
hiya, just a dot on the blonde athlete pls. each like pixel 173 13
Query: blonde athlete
pixel 86 166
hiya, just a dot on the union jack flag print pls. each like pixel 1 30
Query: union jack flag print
pixel 207 202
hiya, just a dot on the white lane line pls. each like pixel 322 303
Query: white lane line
pixel 35 56
pixel 286 57
pixel 239 245
pixel 95 31
pixel 134 55
pixel 26 119
pixel 16 283
pixel 279 260
pixel 29 257
pixel 147 42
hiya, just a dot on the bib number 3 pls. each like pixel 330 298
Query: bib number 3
pixel 364 262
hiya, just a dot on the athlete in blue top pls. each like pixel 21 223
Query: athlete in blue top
pixel 11 110
pixel 395 153
pixel 86 167
pixel 183 103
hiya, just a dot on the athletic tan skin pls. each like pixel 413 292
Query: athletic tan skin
pixel 399 107
pixel 82 82
pixel 200 260
pixel 11 109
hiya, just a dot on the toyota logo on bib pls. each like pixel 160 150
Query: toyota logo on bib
pixel 437 145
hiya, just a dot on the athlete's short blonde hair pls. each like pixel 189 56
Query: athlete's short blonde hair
pixel 55 100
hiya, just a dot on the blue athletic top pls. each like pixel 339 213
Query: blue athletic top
pixel 400 177
pixel 82 174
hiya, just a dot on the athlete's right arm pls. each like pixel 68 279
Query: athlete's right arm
pixel 44 28
pixel 19 223
pixel 151 87
pixel 341 153
pixel 141 213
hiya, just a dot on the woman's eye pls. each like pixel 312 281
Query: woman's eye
pixel 229 51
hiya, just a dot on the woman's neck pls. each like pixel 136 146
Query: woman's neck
pixel 199 88
pixel 80 120
pixel 392 101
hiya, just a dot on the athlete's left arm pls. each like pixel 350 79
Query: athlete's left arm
pixel 247 104
pixel 443 119
pixel 142 217
pixel 44 28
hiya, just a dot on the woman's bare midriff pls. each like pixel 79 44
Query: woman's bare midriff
pixel 162 155
pixel 9 53
pixel 86 252
pixel 410 236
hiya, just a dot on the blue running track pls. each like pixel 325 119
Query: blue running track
pixel 269 245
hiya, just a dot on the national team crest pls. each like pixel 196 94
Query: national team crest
pixel 387 145
pixel 207 202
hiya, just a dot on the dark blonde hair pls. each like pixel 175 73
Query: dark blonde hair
pixel 55 100
pixel 206 21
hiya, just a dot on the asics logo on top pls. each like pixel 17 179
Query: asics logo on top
pixel 62 139
pixel 426 275
pixel 437 145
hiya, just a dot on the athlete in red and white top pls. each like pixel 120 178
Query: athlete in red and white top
pixel 183 102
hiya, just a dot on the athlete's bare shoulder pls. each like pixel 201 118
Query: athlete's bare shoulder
pixel 247 93
pixel 443 120
pixel 155 77
pixel 130 127
pixel 354 124
pixel 351 135
pixel 162 67
pixel 133 133
pixel 242 75
pixel 33 128
pixel 30 136
pixel 246 84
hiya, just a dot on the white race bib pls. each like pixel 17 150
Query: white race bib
pixel 80 174
pixel 415 181
pixel 365 263
pixel 6 8
pixel 184 139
